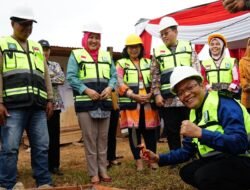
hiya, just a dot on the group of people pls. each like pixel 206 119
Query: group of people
pixel 175 84
pixel 215 141
pixel 195 101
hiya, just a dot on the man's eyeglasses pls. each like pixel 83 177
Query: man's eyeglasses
pixel 188 89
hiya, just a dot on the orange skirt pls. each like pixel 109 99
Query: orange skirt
pixel 130 118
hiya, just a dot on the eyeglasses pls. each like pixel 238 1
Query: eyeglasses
pixel 188 89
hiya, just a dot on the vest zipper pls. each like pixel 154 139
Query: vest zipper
pixel 31 71
pixel 97 74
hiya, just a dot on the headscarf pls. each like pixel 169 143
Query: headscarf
pixel 222 52
pixel 93 53
pixel 247 52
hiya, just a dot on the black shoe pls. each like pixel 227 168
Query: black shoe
pixel 56 171
pixel 119 157
pixel 113 163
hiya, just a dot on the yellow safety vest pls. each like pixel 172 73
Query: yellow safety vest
pixel 131 78
pixel 169 60
pixel 210 121
pixel 95 76
pixel 219 75
pixel 23 74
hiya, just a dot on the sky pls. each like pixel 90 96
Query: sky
pixel 61 21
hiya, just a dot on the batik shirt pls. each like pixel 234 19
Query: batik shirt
pixel 57 78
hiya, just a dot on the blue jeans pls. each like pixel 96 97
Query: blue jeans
pixel 35 122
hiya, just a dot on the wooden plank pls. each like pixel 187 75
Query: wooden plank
pixel 70 137
pixel 68 117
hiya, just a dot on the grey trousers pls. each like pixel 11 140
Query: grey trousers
pixel 95 136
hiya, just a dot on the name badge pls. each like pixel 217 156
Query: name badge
pixel 12 46
pixel 227 65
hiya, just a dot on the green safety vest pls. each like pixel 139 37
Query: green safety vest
pixel 95 76
pixel 219 75
pixel 23 74
pixel 210 121
pixel 168 61
pixel 131 79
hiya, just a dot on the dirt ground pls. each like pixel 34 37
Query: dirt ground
pixel 73 165
pixel 72 156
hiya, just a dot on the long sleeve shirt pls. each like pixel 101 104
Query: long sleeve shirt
pixel 131 117
pixel 77 84
pixel 234 141
pixel 244 69
pixel 235 83
pixel 156 77
pixel 57 78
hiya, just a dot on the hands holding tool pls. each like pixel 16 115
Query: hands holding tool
pixel 148 155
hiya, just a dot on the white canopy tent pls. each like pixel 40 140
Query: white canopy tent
pixel 196 23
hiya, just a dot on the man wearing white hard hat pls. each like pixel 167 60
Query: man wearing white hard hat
pixel 25 100
pixel 173 52
pixel 92 75
pixel 215 138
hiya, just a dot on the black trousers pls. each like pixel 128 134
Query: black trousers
pixel 149 136
pixel 111 152
pixel 172 117
pixel 225 173
pixel 54 140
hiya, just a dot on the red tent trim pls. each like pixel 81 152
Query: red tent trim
pixel 198 15
pixel 203 14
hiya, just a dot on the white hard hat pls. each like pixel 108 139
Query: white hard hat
pixel 167 22
pixel 180 73
pixel 24 13
pixel 93 27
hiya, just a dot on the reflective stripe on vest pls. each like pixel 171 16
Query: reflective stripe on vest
pixel 85 98
pixel 25 90
pixel 219 75
pixel 23 74
pixel 131 79
pixel 95 76
pixel 168 60
pixel 210 121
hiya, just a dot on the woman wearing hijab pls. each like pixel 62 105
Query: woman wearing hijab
pixel 245 77
pixel 135 98
pixel 92 76
pixel 220 72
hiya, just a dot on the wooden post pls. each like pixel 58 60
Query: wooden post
pixel 110 49
pixel 118 132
